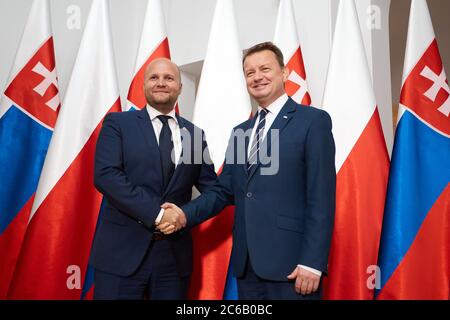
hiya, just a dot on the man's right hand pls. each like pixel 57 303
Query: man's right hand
pixel 173 219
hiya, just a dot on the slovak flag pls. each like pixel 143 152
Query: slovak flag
pixel 28 111
pixel 286 38
pixel 154 44
pixel 414 257
pixel 57 244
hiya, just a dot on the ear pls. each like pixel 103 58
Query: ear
pixel 286 72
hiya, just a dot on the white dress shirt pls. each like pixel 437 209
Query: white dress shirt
pixel 273 110
pixel 173 125
pixel 176 137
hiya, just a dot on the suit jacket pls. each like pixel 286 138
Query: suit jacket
pixel 281 219
pixel 128 173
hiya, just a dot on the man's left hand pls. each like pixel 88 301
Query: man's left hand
pixel 306 282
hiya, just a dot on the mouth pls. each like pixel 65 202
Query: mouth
pixel 159 91
pixel 260 86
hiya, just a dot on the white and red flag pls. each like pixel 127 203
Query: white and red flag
pixel 154 44
pixel 222 103
pixel 362 162
pixel 56 248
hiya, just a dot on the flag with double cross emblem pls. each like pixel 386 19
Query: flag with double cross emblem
pixel 414 254
pixel 28 111
pixel 287 39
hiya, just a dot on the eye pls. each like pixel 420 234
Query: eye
pixel 249 74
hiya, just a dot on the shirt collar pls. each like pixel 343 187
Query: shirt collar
pixel 153 113
pixel 275 107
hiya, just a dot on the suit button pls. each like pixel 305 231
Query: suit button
pixel 249 194
pixel 140 222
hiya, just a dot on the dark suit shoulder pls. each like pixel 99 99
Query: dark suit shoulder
pixel 183 122
pixel 244 125
pixel 186 123
pixel 312 113
pixel 122 116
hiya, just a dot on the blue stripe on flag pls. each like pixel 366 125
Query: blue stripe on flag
pixel 23 146
pixel 231 292
pixel 88 281
pixel 89 278
pixel 419 173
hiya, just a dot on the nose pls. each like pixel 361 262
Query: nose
pixel 160 82
pixel 258 76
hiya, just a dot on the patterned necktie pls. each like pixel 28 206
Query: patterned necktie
pixel 253 154
pixel 165 149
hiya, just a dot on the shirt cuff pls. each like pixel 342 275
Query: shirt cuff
pixel 159 217
pixel 317 272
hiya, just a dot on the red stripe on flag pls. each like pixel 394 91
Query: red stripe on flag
pixel 360 196
pixel 60 233
pixel 212 250
pixel 136 92
pixel 424 272
pixel 90 294
pixel 10 244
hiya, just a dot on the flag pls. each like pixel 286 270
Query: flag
pixel 362 162
pixel 286 38
pixel 414 255
pixel 154 44
pixel 221 78
pixel 28 111
pixel 56 248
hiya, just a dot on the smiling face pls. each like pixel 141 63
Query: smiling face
pixel 265 77
pixel 162 84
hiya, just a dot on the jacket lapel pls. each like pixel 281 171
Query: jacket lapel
pixel 280 122
pixel 248 128
pixel 149 135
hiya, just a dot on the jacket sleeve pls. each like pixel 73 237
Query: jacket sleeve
pixel 321 193
pixel 207 176
pixel 111 180
pixel 215 198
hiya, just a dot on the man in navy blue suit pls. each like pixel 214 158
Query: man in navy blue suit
pixel 141 161
pixel 285 207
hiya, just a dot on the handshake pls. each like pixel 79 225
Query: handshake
pixel 172 220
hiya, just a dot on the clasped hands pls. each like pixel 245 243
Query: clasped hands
pixel 173 219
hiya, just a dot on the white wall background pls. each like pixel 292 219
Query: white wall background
pixel 188 23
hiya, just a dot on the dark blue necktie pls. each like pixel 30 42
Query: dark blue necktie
pixel 165 149
pixel 253 154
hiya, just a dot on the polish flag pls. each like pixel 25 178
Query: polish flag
pixel 286 38
pixel 414 254
pixel 222 79
pixel 56 248
pixel 362 162
pixel 154 44
pixel 28 112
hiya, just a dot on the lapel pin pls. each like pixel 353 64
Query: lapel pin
pixel 285 117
